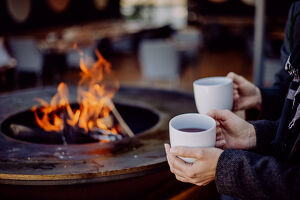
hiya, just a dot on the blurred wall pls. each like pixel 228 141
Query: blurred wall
pixel 42 14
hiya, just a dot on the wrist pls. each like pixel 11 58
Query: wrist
pixel 214 168
pixel 258 99
pixel 251 137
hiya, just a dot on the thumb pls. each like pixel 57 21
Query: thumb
pixel 242 104
pixel 191 152
pixel 236 78
pixel 220 115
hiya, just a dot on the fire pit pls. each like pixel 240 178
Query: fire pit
pixel 22 127
pixel 45 168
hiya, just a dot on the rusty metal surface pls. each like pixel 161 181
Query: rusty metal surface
pixel 40 164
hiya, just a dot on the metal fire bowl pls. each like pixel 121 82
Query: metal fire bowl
pixel 26 163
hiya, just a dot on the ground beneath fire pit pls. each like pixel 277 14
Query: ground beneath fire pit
pixel 41 164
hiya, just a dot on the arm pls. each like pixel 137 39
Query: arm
pixel 247 175
pixel 236 133
pixel 237 173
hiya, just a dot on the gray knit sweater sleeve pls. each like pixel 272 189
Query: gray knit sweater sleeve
pixel 246 175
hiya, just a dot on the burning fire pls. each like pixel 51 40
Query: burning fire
pixel 94 98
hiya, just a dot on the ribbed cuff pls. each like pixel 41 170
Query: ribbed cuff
pixel 271 109
pixel 265 133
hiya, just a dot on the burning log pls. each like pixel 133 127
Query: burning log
pixel 103 135
pixel 108 121
pixel 70 135
pixel 33 134
pixel 121 121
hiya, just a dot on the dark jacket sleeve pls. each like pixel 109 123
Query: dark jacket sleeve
pixel 273 98
pixel 246 175
pixel 265 133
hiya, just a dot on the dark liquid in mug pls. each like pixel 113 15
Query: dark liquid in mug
pixel 192 130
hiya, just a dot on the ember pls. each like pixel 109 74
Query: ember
pixel 93 116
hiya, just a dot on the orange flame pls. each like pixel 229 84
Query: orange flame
pixel 93 98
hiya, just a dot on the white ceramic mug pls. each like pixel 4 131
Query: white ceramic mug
pixel 206 138
pixel 213 93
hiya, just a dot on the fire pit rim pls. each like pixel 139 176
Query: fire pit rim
pixel 70 179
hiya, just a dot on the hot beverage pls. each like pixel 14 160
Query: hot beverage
pixel 192 130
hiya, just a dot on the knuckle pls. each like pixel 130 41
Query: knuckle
pixel 178 149
pixel 172 170
pixel 171 163
pixel 181 151
pixel 179 178
pixel 211 112
pixel 200 184
pixel 230 74
pixel 227 111
pixel 168 158
pixel 190 174
pixel 200 153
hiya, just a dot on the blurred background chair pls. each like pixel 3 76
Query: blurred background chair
pixel 7 68
pixel 189 42
pixel 73 57
pixel 29 60
pixel 159 61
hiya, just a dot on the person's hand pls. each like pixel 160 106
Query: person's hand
pixel 245 94
pixel 201 172
pixel 232 131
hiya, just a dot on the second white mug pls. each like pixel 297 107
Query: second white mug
pixel 213 93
